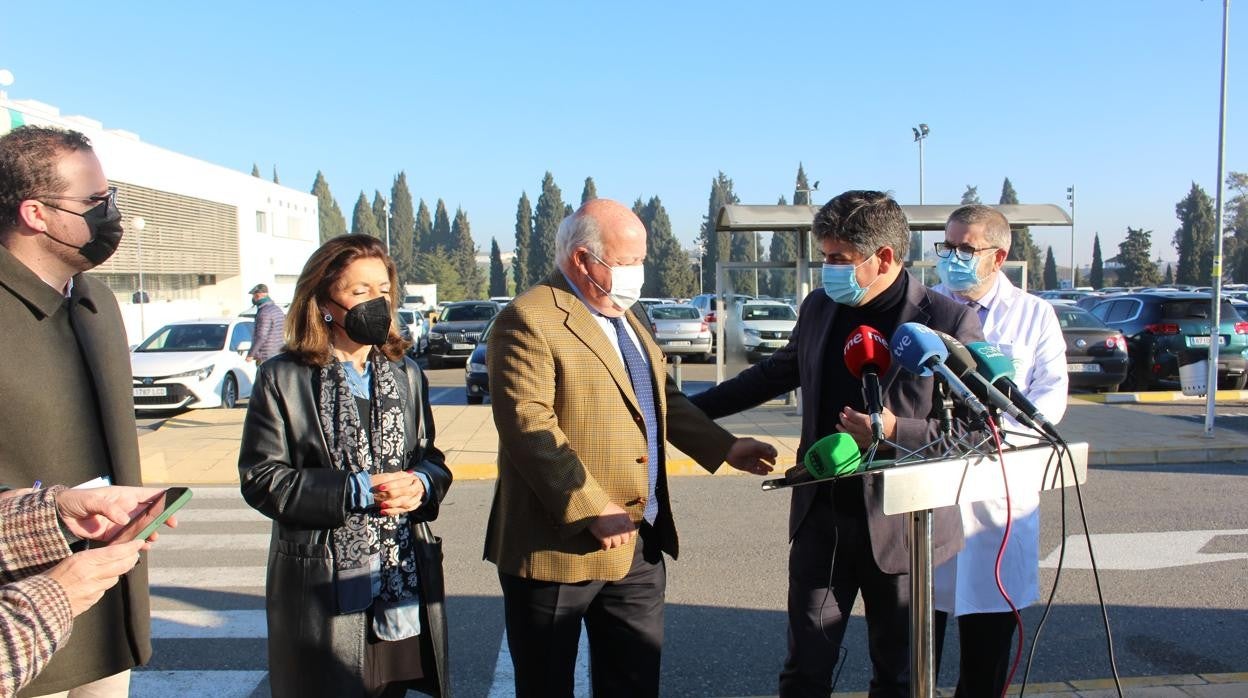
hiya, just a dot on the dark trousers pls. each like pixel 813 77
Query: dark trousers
pixel 984 641
pixel 830 562
pixel 624 620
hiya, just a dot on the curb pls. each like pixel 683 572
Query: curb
pixel 1071 687
pixel 1160 396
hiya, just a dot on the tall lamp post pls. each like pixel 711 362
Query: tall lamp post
pixel 137 224
pixel 916 240
pixel 1211 380
pixel 1070 196
pixel 388 250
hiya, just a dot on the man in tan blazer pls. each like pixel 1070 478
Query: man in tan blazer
pixel 581 519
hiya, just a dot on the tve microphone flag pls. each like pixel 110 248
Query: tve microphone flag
pixel 921 352
pixel 867 357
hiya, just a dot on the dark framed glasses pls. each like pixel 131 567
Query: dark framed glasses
pixel 964 252
pixel 94 200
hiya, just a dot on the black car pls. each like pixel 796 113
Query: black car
pixel 1096 354
pixel 458 330
pixel 1164 329
pixel 476 380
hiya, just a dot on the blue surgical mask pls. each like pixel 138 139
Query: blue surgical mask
pixel 841 283
pixel 958 275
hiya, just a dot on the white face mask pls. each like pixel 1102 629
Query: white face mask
pixel 626 283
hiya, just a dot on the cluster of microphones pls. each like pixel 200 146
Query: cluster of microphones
pixel 977 375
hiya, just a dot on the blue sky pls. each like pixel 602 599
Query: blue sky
pixel 475 101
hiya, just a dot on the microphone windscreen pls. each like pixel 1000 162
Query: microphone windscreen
pixel 832 456
pixel 992 364
pixel 959 360
pixel 866 348
pixel 914 345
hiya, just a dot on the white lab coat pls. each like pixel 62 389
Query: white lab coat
pixel 1027 330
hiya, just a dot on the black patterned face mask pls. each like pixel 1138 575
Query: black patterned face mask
pixel 367 323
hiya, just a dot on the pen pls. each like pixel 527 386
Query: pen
pixel 38 484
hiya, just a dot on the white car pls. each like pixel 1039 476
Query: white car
pixel 765 327
pixel 416 326
pixel 194 363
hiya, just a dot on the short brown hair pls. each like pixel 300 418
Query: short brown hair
pixel 307 333
pixel 28 167
pixel 996 227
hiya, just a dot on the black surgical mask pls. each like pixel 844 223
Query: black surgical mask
pixel 368 322
pixel 104 224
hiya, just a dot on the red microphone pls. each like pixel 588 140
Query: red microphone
pixel 867 356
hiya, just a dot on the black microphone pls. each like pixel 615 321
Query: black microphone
pixel 962 362
pixel 922 353
pixel 866 357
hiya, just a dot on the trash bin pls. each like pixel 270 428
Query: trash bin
pixel 1194 373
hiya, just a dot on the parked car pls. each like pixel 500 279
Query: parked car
pixel 414 327
pixel 648 303
pixel 680 329
pixel 476 378
pixel 1162 328
pixel 458 330
pixel 194 363
pixel 1066 294
pixel 1096 354
pixel 765 327
pixel 705 302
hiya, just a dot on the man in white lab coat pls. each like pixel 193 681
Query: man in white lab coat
pixel 977 241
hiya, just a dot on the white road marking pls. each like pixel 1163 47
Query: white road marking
pixel 218 684
pixel 173 540
pixel 210 515
pixel 1144 551
pixel 206 578
pixel 504 684
pixel 214 492
pixel 208 625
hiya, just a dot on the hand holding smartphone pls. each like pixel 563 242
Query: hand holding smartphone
pixel 152 516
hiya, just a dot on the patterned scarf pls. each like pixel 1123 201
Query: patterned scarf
pixel 365 535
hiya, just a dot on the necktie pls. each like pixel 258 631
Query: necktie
pixel 980 311
pixel 643 386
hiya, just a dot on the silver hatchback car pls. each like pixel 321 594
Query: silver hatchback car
pixel 680 329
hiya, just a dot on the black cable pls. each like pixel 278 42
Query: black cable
pixel 1096 577
pixel 1061 560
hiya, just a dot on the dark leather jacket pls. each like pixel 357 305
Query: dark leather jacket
pixel 285 473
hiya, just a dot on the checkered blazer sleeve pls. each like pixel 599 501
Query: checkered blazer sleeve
pixel 35 616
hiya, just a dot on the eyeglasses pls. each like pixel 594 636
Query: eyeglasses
pixel 964 252
pixel 95 199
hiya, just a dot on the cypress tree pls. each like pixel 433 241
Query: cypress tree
pixel 439 269
pixel 498 275
pixel 1194 237
pixel 715 243
pixel 783 248
pixel 441 238
pixel 465 255
pixel 546 219
pixel 424 228
pixel 971 195
pixel 1096 275
pixel 1134 256
pixel 1236 222
pixel 524 236
pixel 275 179
pixel 1168 279
pixel 1050 271
pixel 362 221
pixel 402 227
pixel 330 220
pixel 668 273
pixel 1022 248
pixel 590 191
pixel 382 218
pixel 255 170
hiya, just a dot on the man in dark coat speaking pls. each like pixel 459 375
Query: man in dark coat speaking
pixel 68 409
pixel 842 542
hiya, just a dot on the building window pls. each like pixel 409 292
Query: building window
pixel 262 222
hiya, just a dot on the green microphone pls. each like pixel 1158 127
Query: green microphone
pixel 833 456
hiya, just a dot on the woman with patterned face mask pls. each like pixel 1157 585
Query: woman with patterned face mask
pixel 338 450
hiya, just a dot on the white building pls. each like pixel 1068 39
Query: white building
pixel 210 233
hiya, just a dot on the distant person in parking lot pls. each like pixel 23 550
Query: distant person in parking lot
pixel 266 340
pixel 68 412
pixel 977 240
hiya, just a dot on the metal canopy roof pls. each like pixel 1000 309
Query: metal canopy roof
pixel 926 217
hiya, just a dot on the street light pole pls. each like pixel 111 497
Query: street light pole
pixel 388 250
pixel 1070 196
pixel 916 238
pixel 138 224
pixel 1211 383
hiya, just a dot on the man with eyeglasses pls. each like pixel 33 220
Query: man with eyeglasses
pixel 68 409
pixel 977 241
pixel 842 543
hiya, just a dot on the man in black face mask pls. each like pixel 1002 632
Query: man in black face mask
pixel 68 412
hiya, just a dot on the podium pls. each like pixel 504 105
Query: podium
pixel 920 486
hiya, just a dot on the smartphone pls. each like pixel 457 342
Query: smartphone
pixel 158 509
